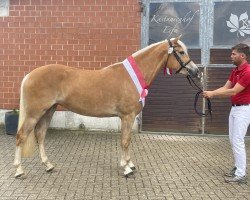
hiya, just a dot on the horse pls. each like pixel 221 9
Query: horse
pixel 106 92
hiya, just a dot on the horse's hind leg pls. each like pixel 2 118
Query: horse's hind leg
pixel 40 132
pixel 24 135
pixel 127 123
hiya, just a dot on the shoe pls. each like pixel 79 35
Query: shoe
pixel 236 179
pixel 231 173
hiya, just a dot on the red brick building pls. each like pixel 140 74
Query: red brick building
pixel 92 34
pixel 87 34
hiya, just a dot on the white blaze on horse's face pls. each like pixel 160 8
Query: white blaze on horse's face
pixel 190 68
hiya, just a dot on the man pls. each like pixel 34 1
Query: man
pixel 238 88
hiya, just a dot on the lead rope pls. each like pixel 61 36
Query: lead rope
pixel 209 105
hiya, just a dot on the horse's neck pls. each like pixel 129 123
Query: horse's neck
pixel 151 61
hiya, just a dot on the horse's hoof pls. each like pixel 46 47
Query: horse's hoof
pixel 50 169
pixel 128 174
pixel 49 166
pixel 133 168
pixel 19 174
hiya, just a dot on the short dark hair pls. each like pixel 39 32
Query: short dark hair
pixel 242 48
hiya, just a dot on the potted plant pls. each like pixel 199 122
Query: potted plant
pixel 11 122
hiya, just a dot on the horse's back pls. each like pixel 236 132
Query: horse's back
pixel 53 71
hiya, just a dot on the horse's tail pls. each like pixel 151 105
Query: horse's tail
pixel 29 142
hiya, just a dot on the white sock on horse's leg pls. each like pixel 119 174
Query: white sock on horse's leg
pixel 17 162
pixel 17 159
pixel 49 166
pixel 123 162
pixel 19 171
pixel 45 161
pixel 128 165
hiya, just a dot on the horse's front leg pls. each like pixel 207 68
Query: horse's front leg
pixel 126 126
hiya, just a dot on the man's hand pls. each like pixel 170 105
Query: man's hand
pixel 208 94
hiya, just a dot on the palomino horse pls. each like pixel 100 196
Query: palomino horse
pixel 107 92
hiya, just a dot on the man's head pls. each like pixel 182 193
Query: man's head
pixel 240 52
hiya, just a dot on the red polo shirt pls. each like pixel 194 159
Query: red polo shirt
pixel 241 75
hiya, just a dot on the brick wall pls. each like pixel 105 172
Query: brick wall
pixel 89 34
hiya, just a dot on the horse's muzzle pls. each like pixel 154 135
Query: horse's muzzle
pixel 195 72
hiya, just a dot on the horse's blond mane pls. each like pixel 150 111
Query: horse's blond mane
pixel 146 48
pixel 152 45
pixel 183 46
pixel 140 51
pixel 157 43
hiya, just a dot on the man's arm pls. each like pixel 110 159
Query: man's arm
pixel 225 91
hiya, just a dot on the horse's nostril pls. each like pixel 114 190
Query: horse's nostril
pixel 195 73
pixel 200 75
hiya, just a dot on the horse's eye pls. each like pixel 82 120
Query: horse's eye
pixel 182 52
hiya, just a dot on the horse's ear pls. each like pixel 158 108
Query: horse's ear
pixel 176 39
pixel 179 37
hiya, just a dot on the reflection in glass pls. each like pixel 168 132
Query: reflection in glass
pixel 231 23
pixel 169 20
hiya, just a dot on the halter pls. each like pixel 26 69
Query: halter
pixel 182 64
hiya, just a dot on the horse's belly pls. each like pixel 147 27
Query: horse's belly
pixel 90 109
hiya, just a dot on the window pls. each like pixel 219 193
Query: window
pixel 4 7
pixel 231 23
pixel 231 26
pixel 167 20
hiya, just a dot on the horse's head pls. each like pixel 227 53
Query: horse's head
pixel 178 59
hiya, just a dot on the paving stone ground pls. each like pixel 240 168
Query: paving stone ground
pixel 87 167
